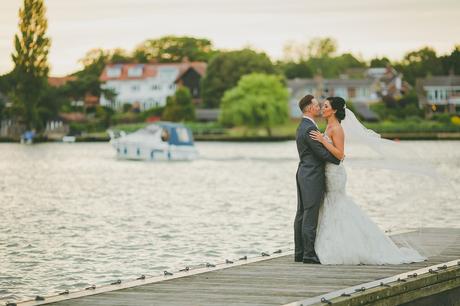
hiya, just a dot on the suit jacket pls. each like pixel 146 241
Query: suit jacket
pixel 310 174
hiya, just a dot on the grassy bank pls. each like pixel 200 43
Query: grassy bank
pixel 213 131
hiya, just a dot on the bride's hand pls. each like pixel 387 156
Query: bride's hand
pixel 316 135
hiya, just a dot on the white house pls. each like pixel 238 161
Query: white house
pixel 148 85
pixel 439 93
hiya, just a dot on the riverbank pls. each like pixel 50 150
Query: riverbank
pixel 213 131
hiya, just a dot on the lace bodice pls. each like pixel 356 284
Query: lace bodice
pixel 336 176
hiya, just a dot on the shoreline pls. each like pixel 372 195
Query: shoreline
pixel 229 138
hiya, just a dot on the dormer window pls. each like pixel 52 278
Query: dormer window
pixel 135 71
pixel 114 72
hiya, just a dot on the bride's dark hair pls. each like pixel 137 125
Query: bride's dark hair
pixel 338 104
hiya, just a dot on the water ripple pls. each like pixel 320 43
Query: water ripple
pixel 73 215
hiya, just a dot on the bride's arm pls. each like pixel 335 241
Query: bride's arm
pixel 337 145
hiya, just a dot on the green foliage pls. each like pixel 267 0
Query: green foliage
pixel 420 63
pixel 127 107
pixel 451 62
pixel 259 100
pixel 206 128
pixel 152 112
pixel 2 108
pixel 412 125
pixel 294 70
pixel 318 57
pixel 129 117
pixel 179 107
pixel 87 81
pixel 404 108
pixel 172 49
pixel 31 63
pixel 225 70
pixel 380 62
pixel 104 115
pixel 322 47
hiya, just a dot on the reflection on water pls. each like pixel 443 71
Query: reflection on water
pixel 73 215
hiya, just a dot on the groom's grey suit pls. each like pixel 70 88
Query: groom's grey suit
pixel 310 189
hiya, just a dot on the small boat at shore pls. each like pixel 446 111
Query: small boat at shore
pixel 69 139
pixel 158 141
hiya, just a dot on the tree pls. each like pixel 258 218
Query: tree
pixel 225 70
pixel 322 47
pixel 295 52
pixel 259 100
pixel 317 57
pixel 87 79
pixel 31 62
pixel 294 70
pixel 172 49
pixel 179 107
pixel 451 62
pixel 119 56
pixel 380 62
pixel 420 63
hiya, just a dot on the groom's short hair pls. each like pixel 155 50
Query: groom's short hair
pixel 305 101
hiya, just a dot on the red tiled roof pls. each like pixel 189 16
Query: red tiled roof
pixel 150 70
pixel 59 81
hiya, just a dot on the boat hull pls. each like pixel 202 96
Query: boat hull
pixel 155 153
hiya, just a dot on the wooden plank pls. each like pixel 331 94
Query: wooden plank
pixel 272 280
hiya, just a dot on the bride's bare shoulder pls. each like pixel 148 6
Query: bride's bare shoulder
pixel 336 130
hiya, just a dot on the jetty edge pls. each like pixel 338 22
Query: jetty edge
pixel 275 279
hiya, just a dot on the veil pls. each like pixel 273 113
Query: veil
pixel 406 182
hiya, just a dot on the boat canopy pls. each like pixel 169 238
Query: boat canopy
pixel 172 133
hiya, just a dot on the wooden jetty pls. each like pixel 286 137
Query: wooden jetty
pixel 277 280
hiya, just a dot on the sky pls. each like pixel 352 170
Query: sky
pixel 367 28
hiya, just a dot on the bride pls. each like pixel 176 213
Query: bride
pixel 346 235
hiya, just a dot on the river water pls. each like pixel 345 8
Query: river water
pixel 72 215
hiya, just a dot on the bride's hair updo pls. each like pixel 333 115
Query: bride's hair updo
pixel 338 104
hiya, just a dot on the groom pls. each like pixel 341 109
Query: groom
pixel 310 182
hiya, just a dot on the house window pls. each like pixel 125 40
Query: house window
pixel 171 86
pixel 156 87
pixel 135 71
pixel 135 88
pixel 114 72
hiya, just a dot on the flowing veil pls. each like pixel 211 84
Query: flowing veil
pixel 407 183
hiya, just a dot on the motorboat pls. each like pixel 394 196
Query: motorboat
pixel 158 141
pixel 69 139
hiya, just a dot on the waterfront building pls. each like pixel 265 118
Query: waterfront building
pixel 360 86
pixel 439 93
pixel 148 85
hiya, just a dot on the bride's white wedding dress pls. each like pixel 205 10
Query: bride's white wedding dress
pixel 347 236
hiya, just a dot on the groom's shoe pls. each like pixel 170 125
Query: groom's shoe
pixel 311 260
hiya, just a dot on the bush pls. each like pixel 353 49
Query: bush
pixel 179 107
pixel 126 118
pixel 152 112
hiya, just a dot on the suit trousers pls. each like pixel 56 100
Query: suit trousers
pixel 305 224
